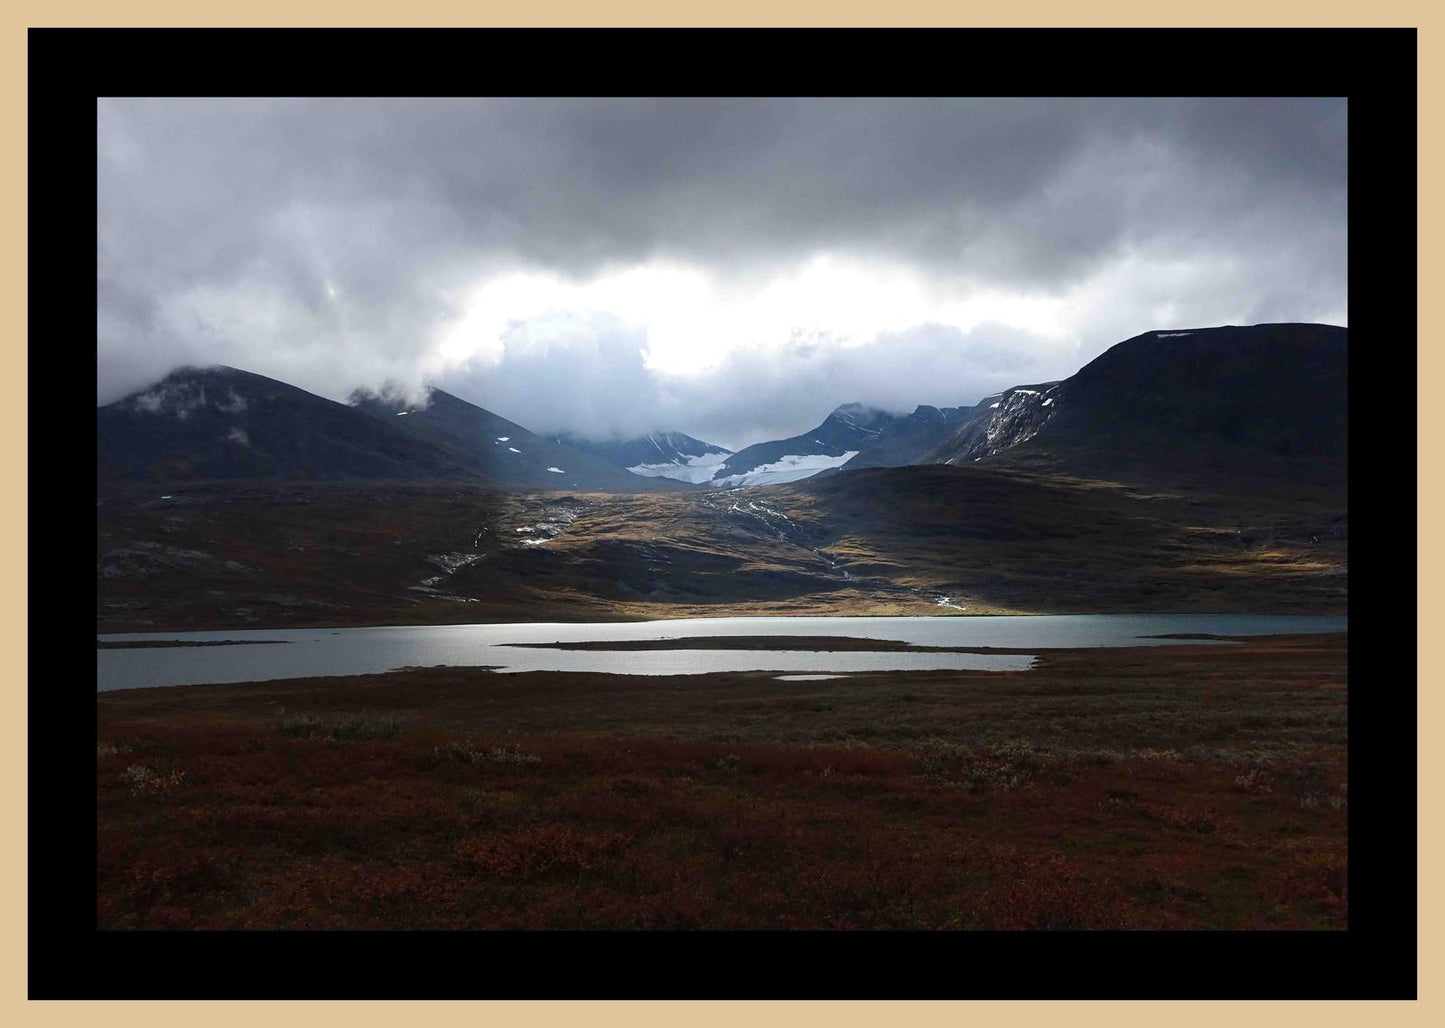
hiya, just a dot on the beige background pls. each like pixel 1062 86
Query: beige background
pixel 17 16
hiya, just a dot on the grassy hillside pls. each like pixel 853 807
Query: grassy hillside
pixel 877 541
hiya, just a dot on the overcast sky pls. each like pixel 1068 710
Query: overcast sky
pixel 733 269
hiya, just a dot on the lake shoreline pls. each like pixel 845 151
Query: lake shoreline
pixel 795 645
pixel 801 643
pixel 160 644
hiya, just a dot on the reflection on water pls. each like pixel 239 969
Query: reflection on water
pixel 356 651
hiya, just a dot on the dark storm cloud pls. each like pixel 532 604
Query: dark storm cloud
pixel 325 241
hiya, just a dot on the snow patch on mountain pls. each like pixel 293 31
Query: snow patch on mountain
pixel 696 469
pixel 789 468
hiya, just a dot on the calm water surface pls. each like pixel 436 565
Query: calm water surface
pixel 359 651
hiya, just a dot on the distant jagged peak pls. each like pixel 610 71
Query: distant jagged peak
pixel 926 412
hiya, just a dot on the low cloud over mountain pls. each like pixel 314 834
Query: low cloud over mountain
pixel 605 264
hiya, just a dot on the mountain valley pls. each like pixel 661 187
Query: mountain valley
pixel 1178 471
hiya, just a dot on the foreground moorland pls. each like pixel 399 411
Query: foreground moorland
pixel 1191 786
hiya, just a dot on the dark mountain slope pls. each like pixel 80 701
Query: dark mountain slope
pixel 910 439
pixel 501 451
pixel 1259 400
pixel 223 423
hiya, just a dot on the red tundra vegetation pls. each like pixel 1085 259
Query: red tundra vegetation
pixel 1178 787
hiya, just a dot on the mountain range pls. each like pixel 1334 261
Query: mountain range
pixel 1232 399
pixel 1199 469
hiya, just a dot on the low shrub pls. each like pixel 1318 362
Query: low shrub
pixel 344 729
pixel 1004 765
pixel 144 781
pixel 536 851
pixel 459 752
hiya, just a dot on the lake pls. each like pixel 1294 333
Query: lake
pixel 358 651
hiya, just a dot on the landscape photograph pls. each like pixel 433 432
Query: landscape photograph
pixel 666 514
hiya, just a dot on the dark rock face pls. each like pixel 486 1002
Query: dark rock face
pixel 999 422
